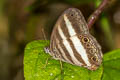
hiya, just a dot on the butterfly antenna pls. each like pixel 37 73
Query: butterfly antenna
pixel 46 49
pixel 44 34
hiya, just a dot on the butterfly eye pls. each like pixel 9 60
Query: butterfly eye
pixel 85 40
pixel 94 58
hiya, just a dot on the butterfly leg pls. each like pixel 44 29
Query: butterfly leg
pixel 46 49
pixel 46 62
pixel 62 70
pixel 61 65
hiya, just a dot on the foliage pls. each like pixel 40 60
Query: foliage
pixel 35 67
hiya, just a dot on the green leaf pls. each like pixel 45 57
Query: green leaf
pixel 112 65
pixel 35 61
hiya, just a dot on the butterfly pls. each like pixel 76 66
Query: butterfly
pixel 71 41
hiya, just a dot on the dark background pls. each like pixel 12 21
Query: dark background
pixel 22 21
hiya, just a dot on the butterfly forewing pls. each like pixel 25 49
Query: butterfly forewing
pixel 71 19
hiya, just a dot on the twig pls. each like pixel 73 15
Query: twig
pixel 96 13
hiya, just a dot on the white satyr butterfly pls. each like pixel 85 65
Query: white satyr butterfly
pixel 71 41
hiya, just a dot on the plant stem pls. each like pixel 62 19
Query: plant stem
pixel 96 13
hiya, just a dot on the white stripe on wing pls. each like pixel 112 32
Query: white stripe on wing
pixel 76 42
pixel 63 54
pixel 67 46
pixel 80 49
pixel 69 26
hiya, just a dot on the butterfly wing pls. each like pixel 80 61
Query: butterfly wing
pixel 66 43
pixel 70 23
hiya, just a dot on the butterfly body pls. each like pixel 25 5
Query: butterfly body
pixel 71 41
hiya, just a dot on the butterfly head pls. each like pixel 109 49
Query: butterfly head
pixel 93 51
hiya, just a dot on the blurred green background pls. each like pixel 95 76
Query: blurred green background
pixel 22 21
